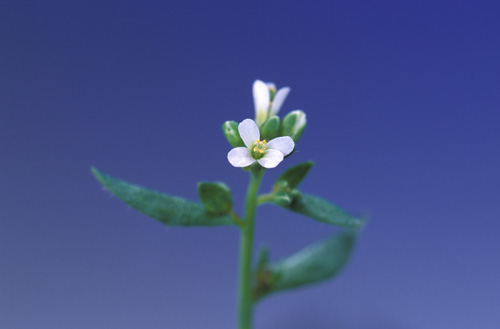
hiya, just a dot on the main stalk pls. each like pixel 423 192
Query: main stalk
pixel 245 303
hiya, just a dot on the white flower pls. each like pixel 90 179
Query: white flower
pixel 267 105
pixel 267 154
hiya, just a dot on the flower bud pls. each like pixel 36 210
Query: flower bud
pixel 293 125
pixel 230 130
pixel 216 197
pixel 270 128
pixel 283 199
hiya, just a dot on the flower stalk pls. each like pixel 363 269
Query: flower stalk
pixel 245 303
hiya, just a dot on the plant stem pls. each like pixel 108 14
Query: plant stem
pixel 245 303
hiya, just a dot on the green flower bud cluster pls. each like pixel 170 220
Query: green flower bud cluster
pixel 285 192
pixel 268 101
pixel 293 125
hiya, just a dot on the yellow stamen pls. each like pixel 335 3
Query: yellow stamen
pixel 259 149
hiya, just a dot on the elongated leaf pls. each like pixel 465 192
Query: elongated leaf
pixel 323 211
pixel 293 176
pixel 169 210
pixel 317 262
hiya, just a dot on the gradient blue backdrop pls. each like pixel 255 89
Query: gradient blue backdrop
pixel 403 103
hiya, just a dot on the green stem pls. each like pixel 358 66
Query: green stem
pixel 245 304
pixel 264 198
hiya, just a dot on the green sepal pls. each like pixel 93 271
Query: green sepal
pixel 316 262
pixel 230 130
pixel 270 128
pixel 293 176
pixel 170 210
pixel 321 210
pixel 216 197
pixel 293 125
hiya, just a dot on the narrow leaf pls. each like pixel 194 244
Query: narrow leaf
pixel 216 197
pixel 323 211
pixel 169 210
pixel 293 176
pixel 317 262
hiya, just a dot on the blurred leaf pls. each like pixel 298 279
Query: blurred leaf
pixel 293 176
pixel 322 210
pixel 216 197
pixel 169 210
pixel 317 262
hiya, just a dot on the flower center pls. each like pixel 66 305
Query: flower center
pixel 258 149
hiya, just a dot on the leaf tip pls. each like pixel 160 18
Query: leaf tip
pixel 94 171
pixel 309 163
pixel 101 178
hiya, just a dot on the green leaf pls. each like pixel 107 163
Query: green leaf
pixel 170 210
pixel 317 262
pixel 216 197
pixel 293 176
pixel 322 210
pixel 230 130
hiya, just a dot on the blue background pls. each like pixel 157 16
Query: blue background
pixel 403 103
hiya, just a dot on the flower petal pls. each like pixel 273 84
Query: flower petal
pixel 249 132
pixel 240 157
pixel 261 99
pixel 271 159
pixel 283 144
pixel 278 100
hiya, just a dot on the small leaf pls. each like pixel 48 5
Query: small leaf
pixel 317 262
pixel 270 128
pixel 230 130
pixel 323 211
pixel 216 197
pixel 293 176
pixel 169 210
